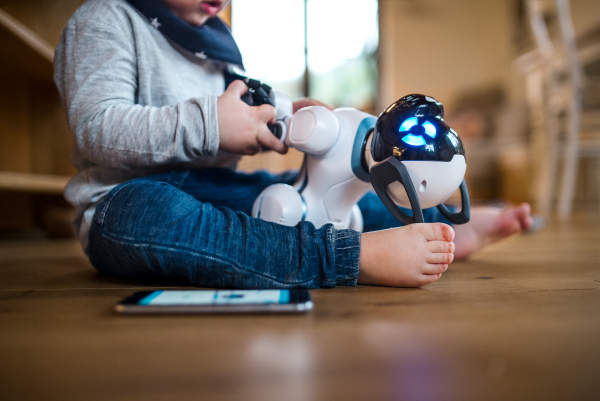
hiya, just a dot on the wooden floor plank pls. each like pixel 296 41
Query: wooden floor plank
pixel 518 321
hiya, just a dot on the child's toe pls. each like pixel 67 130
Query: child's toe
pixel 437 232
pixel 440 246
pixel 439 258
pixel 429 278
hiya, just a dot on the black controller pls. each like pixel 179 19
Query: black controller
pixel 258 94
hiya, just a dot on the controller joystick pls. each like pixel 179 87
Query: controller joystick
pixel 259 94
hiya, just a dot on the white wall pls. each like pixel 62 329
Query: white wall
pixel 440 47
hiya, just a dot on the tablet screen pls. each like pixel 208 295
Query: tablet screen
pixel 221 297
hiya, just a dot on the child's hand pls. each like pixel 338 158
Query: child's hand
pixel 409 256
pixel 242 128
pixel 305 102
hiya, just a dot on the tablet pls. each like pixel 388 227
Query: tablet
pixel 216 301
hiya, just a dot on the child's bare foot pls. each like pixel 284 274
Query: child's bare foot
pixel 409 256
pixel 488 225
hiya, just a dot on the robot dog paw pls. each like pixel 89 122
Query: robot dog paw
pixel 280 203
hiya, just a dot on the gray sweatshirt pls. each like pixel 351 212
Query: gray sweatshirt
pixel 136 103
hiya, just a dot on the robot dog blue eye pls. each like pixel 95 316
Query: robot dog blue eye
pixel 415 138
pixel 408 124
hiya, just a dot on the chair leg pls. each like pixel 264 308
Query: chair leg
pixel 552 160
pixel 543 164
pixel 575 78
pixel 569 178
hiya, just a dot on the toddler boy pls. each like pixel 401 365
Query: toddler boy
pixel 157 138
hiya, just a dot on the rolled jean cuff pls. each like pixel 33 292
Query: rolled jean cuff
pixel 347 252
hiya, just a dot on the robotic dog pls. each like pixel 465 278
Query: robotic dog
pixel 409 155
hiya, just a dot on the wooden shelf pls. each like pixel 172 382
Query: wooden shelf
pixel 23 51
pixel 33 183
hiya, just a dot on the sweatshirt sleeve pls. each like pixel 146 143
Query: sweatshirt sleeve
pixel 96 75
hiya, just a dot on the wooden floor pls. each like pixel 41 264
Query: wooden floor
pixel 519 321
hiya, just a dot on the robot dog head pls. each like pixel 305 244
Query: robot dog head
pixel 413 128
pixel 416 160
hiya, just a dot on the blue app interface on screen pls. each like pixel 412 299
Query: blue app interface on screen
pixel 199 297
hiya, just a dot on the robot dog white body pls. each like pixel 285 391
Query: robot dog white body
pixel 335 172
pixel 327 188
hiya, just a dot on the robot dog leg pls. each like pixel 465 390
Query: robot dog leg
pixel 327 188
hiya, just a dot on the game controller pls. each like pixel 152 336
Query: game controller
pixel 259 94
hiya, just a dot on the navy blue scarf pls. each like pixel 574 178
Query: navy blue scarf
pixel 211 40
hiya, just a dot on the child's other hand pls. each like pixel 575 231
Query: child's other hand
pixel 242 128
pixel 305 102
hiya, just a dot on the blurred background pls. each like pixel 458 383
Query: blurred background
pixel 519 80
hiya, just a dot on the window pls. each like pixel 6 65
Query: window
pixel 338 64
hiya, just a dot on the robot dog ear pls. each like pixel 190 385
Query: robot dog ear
pixel 391 170
pixel 464 215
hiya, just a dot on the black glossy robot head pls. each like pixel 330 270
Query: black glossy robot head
pixel 417 159
pixel 413 128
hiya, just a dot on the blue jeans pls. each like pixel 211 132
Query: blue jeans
pixel 196 225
